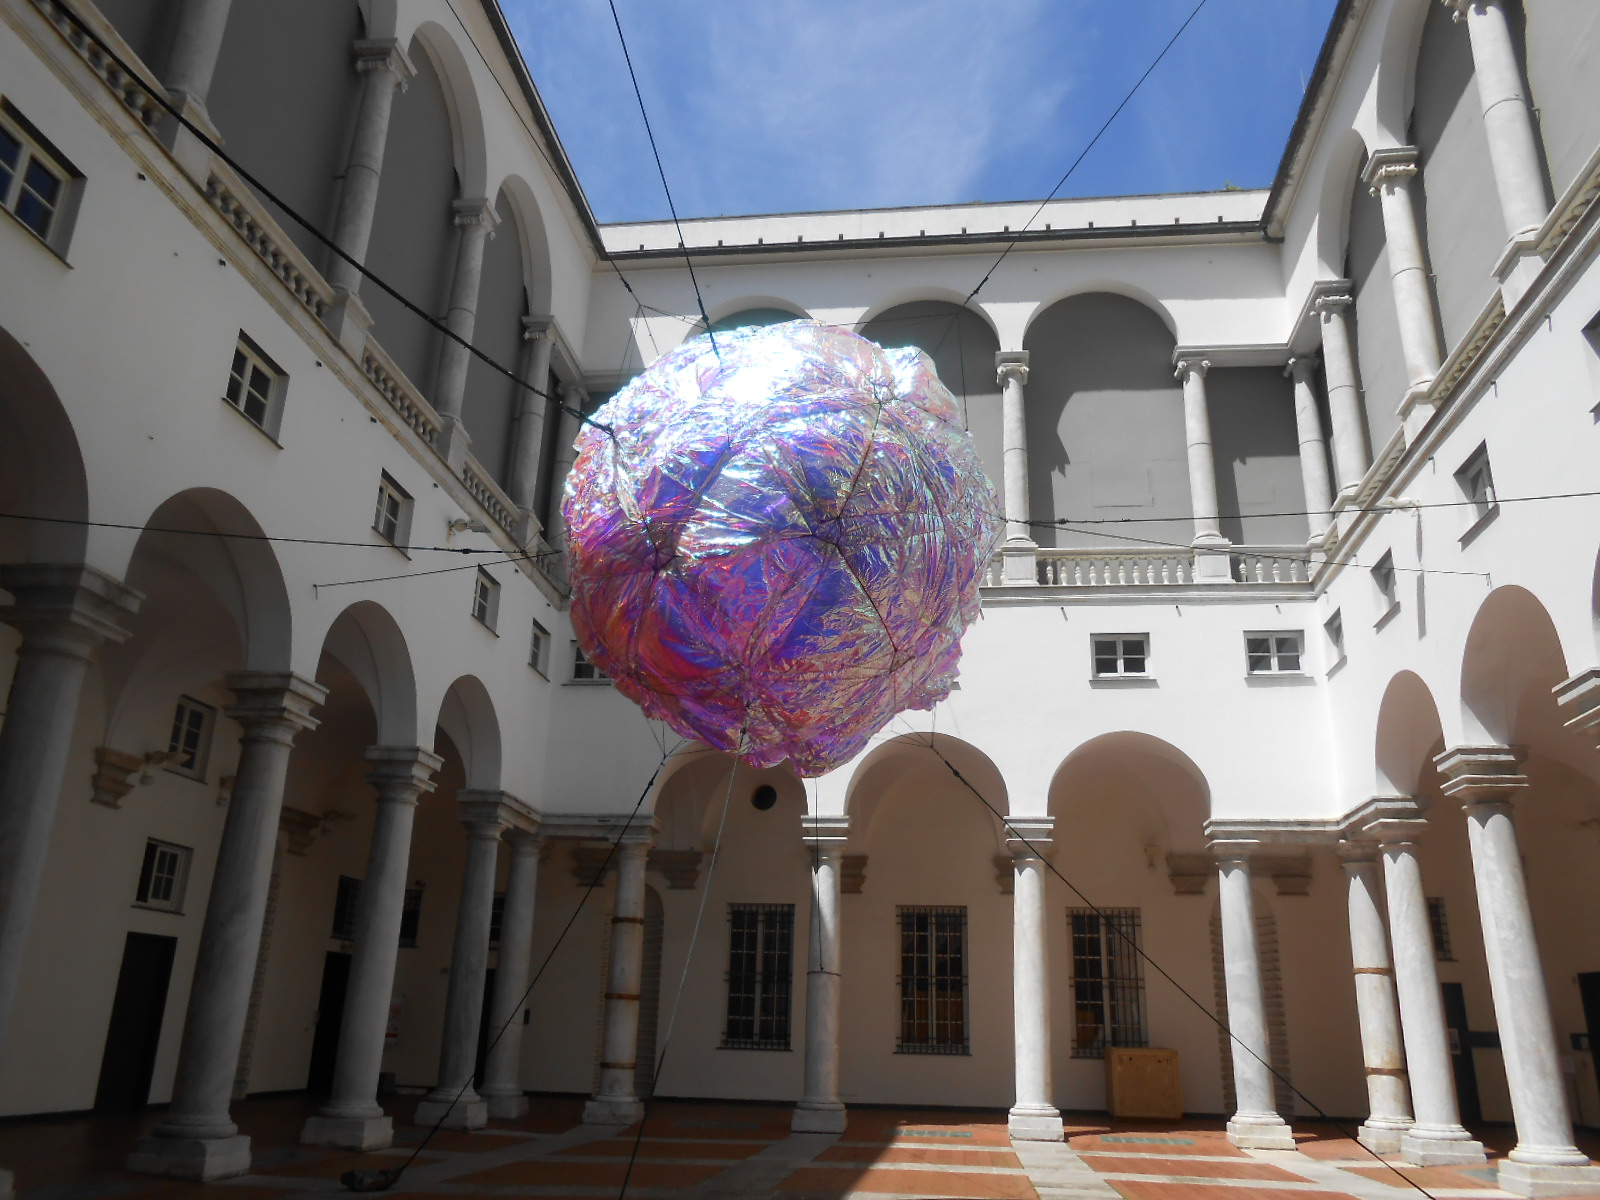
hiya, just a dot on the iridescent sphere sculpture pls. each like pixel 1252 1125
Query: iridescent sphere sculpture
pixel 775 542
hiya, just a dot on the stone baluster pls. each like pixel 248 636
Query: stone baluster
pixel 196 1138
pixel 1546 1162
pixel 527 439
pixel 1313 450
pixel 1033 1116
pixel 617 1101
pixel 1255 1125
pixel 1388 175
pixel 501 1088
pixel 352 1118
pixel 453 1102
pixel 820 1109
pixel 475 221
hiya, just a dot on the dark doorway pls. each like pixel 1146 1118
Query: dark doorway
pixel 135 1030
pixel 485 1034
pixel 1461 1044
pixel 649 997
pixel 1589 990
pixel 330 1015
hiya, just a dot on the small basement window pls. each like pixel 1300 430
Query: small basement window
pixel 1121 655
pixel 163 876
pixel 255 386
pixel 1274 653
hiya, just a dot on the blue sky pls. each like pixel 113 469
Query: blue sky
pixel 796 105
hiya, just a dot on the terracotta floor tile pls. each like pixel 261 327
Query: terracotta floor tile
pixel 1429 1177
pixel 1139 1190
pixel 551 1173
pixel 1174 1144
pixel 944 1155
pixel 621 1148
pixel 1244 1168
pixel 453 1142
pixel 914 1183
pixel 331 1166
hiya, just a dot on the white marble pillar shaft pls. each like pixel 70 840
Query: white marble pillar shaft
pixel 820 1109
pixel 501 1087
pixel 1389 175
pixel 1033 1116
pixel 1255 1123
pixel 1313 449
pixel 1191 373
pixel 475 221
pixel 352 1118
pixel 573 399
pixel 196 45
pixel 617 1101
pixel 528 432
pixel 1344 392
pixel 1012 371
pixel 1382 1050
pixel 384 69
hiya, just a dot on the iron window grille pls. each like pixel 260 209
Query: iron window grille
pixel 392 517
pixel 1439 925
pixel 410 918
pixel 1274 653
pixel 933 980
pixel 760 976
pixel 163 876
pixel 1121 654
pixel 485 598
pixel 190 744
pixel 1107 980
pixel 346 901
pixel 254 385
pixel 36 186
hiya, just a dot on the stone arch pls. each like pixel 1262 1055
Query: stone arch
pixel 911 757
pixel 461 99
pixel 534 238
pixel 688 804
pixel 771 310
pixel 1408 735
pixel 382 17
pixel 1395 88
pixel 1512 658
pixel 368 643
pixel 1110 287
pixel 1170 791
pixel 41 466
pixel 468 718
pixel 489 406
pixel 900 297
pixel 1341 168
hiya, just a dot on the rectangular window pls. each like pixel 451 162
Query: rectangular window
pixel 1333 627
pixel 1117 655
pixel 933 981
pixel 190 743
pixel 1274 652
pixel 1383 578
pixel 410 918
pixel 760 976
pixel 1477 483
pixel 392 520
pixel 163 876
pixel 345 902
pixel 1107 980
pixel 1439 924
pixel 584 671
pixel 485 598
pixel 36 185
pixel 255 386
pixel 539 650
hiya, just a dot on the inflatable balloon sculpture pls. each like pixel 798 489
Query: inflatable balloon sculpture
pixel 775 542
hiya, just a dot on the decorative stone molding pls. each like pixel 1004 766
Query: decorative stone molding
pixel 299 829
pixel 384 54
pixel 1291 874
pixel 852 874
pixel 1481 774
pixel 69 598
pixel 475 213
pixel 1186 367
pixel 1390 167
pixel 1189 873
pixel 820 833
pixel 680 867
pixel 1010 364
pixel 273 699
pixel 1580 697
pixel 489 806
pixel 113 776
pixel 1005 875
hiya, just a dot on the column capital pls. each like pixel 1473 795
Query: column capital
pixel 87 605
pixel 1478 775
pixel 1356 852
pixel 1188 367
pixel 1009 365
pixel 384 54
pixel 1390 167
pixel 635 849
pixel 1386 821
pixel 402 772
pixel 825 834
pixel 1460 8
pixel 273 699
pixel 474 212
pixel 482 807
pixel 1237 851
pixel 1300 366
pixel 538 329
pixel 525 841
pixel 1331 304
pixel 1029 837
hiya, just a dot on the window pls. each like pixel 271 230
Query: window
pixel 485 598
pixel 933 981
pixel 255 385
pixel 1107 980
pixel 1439 924
pixel 36 185
pixel 584 671
pixel 1333 627
pixel 1273 653
pixel 410 918
pixel 1121 654
pixel 392 520
pixel 497 916
pixel 190 743
pixel 1383 579
pixel 345 902
pixel 163 876
pixel 760 976
pixel 539 650
pixel 1477 484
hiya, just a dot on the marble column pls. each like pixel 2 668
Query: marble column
pixel 820 1110
pixel 1382 1051
pixel 352 1118
pixel 197 34
pixel 196 1138
pixel 573 398
pixel 527 438
pixel 617 1101
pixel 64 612
pixel 475 221
pixel 1388 175
pixel 1033 1117
pixel 1545 1162
pixel 1256 1124
pixel 1211 561
pixel 1018 552
pixel 1313 450
pixel 384 69
pixel 1344 392
pixel 453 1102
pixel 501 1087
pixel 1436 1136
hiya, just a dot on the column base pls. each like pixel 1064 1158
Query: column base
pixel 448 1112
pixel 1035 1123
pixel 1212 562
pixel 1381 1136
pixel 613 1110
pixel 348 1133
pixel 818 1119
pixel 204 1159
pixel 1436 1146
pixel 1260 1131
pixel 1538 1179
pixel 507 1105
pixel 1018 563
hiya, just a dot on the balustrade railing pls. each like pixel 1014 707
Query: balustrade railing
pixel 487 493
pixel 244 212
pixel 397 390
pixel 1270 564
pixel 1085 568
pixel 132 90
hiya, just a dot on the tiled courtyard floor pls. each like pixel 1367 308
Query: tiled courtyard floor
pixel 717 1151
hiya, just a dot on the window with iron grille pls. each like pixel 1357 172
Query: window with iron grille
pixel 345 903
pixel 933 980
pixel 1439 924
pixel 36 185
pixel 190 743
pixel 163 876
pixel 1107 980
pixel 760 976
pixel 392 518
pixel 1121 654
pixel 410 918
pixel 1273 652
pixel 254 386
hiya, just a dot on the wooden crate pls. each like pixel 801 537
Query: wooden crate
pixel 1143 1082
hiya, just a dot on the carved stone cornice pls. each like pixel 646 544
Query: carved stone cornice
pixel 1390 167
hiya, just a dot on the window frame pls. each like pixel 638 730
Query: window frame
pixel 1121 979
pixel 1275 653
pixel 905 986
pixel 389 487
pixel 278 382
pixel 34 147
pixel 1483 502
pixel 1333 630
pixel 183 857
pixel 769 1024
pixel 1386 581
pixel 579 662
pixel 1121 655
pixel 202 754
pixel 485 599
pixel 539 642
